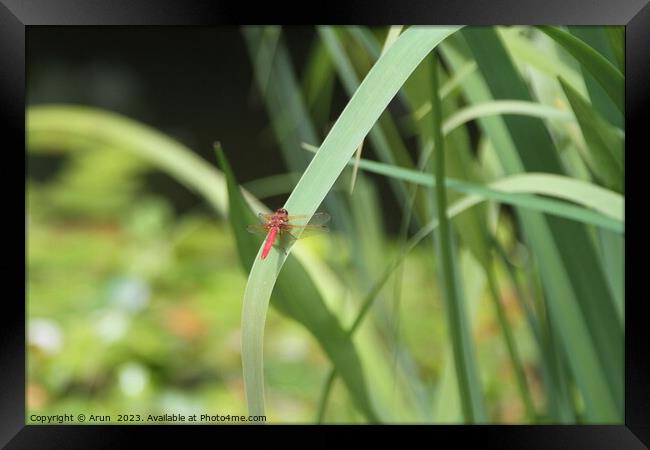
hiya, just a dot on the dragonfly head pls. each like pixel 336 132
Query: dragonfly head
pixel 282 212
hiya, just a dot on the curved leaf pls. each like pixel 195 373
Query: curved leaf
pixel 375 92
pixel 581 310
pixel 604 141
pixel 607 205
pixel 81 127
pixel 609 77
pixel 297 297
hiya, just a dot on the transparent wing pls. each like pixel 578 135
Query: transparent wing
pixel 257 229
pixel 300 232
pixel 318 218
pixel 294 229
pixel 297 217
pixel 315 226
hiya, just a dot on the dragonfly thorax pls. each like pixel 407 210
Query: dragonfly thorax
pixel 280 218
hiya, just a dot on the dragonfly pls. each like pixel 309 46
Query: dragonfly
pixel 280 227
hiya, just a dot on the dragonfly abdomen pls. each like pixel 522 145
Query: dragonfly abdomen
pixel 273 232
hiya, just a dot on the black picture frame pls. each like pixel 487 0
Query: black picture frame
pixel 17 15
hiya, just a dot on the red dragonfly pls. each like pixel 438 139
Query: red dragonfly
pixel 281 224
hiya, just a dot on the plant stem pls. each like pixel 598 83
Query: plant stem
pixel 327 389
pixel 510 344
pixel 452 300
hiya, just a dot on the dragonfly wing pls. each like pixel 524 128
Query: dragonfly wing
pixel 303 231
pixel 286 239
pixel 265 217
pixel 315 226
pixel 318 218
pixel 293 229
pixel 259 229
pixel 297 217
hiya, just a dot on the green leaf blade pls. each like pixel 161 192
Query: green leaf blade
pixel 354 123
pixel 607 75
pixel 604 142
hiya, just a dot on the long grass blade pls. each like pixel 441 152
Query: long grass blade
pixel 297 297
pixel 603 71
pixel 375 92
pixel 317 84
pixel 616 38
pixel 351 83
pixel 598 39
pixel 511 346
pixel 599 206
pixel 557 403
pixel 580 306
pixel 530 55
pixel 604 142
pixel 453 211
pixel 288 114
pixel 613 260
pixel 78 127
pixel 393 34
pixel 454 307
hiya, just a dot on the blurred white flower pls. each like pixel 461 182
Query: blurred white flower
pixel 133 378
pixel 45 334
pixel 112 325
pixel 131 294
pixel 291 348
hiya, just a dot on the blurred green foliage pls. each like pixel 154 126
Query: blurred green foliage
pixel 134 307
